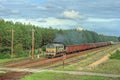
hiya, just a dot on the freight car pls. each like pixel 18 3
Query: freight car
pixel 57 49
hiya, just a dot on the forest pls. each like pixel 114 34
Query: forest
pixel 43 36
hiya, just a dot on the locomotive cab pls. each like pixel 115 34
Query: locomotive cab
pixel 54 49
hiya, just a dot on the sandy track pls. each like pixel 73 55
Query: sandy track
pixel 102 60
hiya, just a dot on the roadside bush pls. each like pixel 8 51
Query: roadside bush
pixel 19 52
pixel 37 52
pixel 4 55
pixel 116 55
pixel 5 49
pixel 4 52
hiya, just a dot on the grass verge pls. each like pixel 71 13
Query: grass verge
pixel 11 59
pixel 62 76
pixel 116 55
pixel 111 66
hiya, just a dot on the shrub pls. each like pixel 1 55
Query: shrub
pixel 116 55
pixel 5 49
pixel 4 55
pixel 19 52
pixel 5 52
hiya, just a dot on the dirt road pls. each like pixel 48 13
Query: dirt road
pixel 68 72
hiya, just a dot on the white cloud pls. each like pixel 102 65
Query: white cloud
pixel 2 7
pixel 72 14
pixel 15 11
pixel 79 28
pixel 102 19
pixel 3 0
pixel 48 7
pixel 55 21
pixel 44 22
pixel 41 8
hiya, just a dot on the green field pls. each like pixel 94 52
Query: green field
pixel 62 76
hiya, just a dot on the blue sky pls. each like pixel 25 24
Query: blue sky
pixel 101 16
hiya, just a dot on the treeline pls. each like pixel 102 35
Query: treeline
pixel 23 36
pixel 73 37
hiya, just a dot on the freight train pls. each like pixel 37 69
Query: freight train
pixel 58 49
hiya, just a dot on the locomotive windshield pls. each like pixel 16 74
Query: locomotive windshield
pixel 54 45
pixel 50 46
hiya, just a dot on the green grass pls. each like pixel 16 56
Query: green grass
pixel 116 55
pixel 111 66
pixel 3 71
pixel 11 59
pixel 62 76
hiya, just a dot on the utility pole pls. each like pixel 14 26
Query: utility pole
pixel 0 41
pixel 64 57
pixel 12 42
pixel 33 39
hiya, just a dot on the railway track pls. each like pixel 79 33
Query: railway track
pixel 48 62
pixel 95 54
pixel 16 61
pixel 24 63
pixel 78 59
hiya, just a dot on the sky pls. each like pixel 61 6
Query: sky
pixel 101 16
